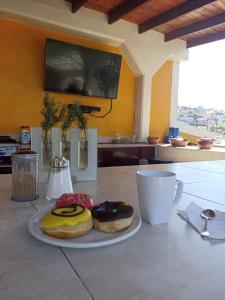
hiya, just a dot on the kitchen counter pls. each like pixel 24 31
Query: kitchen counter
pixel 168 261
pixel 111 155
pixel 123 145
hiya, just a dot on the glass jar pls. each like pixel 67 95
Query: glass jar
pixel 24 176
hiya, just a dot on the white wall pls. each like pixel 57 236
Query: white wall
pixel 145 53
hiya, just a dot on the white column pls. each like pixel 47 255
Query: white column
pixel 174 94
pixel 143 107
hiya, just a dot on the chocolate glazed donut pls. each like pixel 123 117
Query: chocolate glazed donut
pixel 112 216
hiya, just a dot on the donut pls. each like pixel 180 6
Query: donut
pixel 71 198
pixel 112 216
pixel 67 222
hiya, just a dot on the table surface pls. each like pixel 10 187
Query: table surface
pixel 168 261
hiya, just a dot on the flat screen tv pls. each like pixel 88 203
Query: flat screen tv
pixel 80 70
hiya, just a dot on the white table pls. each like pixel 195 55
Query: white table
pixel 168 261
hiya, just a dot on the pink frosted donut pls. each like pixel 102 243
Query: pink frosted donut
pixel 79 199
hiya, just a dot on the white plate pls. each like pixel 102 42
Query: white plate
pixel 92 240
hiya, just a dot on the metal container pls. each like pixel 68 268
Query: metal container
pixel 24 176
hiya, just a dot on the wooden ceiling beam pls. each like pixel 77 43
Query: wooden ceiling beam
pixel 213 21
pixel 77 4
pixel 173 13
pixel 220 35
pixel 123 9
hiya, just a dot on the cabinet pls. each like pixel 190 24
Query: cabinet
pixel 123 155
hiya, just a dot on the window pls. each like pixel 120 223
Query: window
pixel 201 92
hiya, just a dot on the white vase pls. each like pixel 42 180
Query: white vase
pixel 81 168
pixel 37 145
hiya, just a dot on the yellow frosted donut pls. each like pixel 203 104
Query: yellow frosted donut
pixel 67 222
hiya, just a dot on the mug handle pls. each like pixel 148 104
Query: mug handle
pixel 179 192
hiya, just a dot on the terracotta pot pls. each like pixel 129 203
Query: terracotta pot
pixel 205 143
pixel 179 142
pixel 153 140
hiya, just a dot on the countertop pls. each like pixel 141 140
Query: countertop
pixel 215 148
pixel 168 261
pixel 124 145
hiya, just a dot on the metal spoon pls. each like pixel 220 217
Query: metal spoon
pixel 207 214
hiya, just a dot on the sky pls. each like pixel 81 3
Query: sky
pixel 202 77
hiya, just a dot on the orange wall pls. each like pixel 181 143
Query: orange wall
pixel 161 100
pixel 22 75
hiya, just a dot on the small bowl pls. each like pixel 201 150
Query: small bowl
pixel 205 143
pixel 153 140
pixel 179 142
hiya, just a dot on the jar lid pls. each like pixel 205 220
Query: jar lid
pixel 28 154
pixel 59 162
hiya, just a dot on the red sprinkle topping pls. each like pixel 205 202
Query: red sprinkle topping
pixel 80 199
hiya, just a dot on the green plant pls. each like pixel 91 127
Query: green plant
pixel 79 117
pixel 75 115
pixel 52 113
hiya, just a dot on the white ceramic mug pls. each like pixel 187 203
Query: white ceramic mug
pixel 157 196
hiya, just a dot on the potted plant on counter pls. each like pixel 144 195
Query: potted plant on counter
pixel 179 142
pixel 205 143
pixel 153 140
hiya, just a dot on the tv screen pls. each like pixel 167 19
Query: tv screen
pixel 74 69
